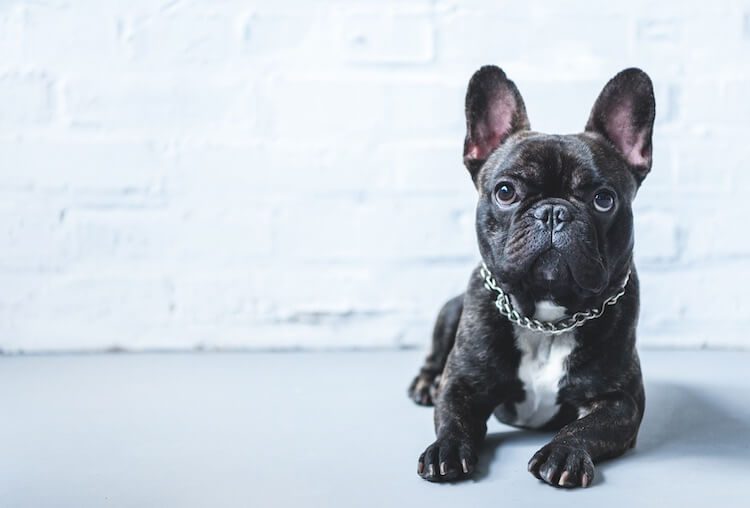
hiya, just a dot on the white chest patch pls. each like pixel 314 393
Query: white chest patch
pixel 543 365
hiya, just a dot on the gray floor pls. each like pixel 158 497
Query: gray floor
pixel 332 429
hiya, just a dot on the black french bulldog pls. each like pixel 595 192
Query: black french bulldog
pixel 544 336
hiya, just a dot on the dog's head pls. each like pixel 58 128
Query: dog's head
pixel 554 218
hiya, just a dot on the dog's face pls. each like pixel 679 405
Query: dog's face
pixel 554 219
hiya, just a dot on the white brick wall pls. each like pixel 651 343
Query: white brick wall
pixel 187 174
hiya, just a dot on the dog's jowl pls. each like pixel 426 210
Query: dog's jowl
pixel 544 336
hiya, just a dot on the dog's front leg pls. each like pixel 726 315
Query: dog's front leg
pixel 607 430
pixel 461 413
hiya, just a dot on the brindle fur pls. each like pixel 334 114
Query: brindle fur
pixel 473 363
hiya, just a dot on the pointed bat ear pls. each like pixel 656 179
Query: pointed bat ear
pixel 624 115
pixel 494 111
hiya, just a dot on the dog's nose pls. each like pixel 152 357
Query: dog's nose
pixel 554 216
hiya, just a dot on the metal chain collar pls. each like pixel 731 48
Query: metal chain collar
pixel 505 307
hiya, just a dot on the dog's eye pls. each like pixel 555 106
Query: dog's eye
pixel 604 201
pixel 505 193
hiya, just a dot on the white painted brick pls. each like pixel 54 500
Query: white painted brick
pixel 25 100
pixel 162 106
pixel 706 162
pixel 266 168
pixel 186 35
pixel 385 37
pixel 564 108
pixel 97 164
pixel 698 306
pixel 11 29
pixel 520 38
pixel 333 288
pixel 718 234
pixel 30 238
pixel 659 30
pixel 357 106
pixel 656 237
pixel 198 236
pixel 89 313
pixel 293 168
pixel 384 228
pixel 426 167
pixel 288 174
pixel 393 33
pixel 64 37
pixel 284 36
pixel 715 104
pixel 371 332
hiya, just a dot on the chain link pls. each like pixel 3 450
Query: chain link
pixel 505 307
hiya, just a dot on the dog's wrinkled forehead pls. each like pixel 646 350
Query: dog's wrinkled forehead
pixel 554 163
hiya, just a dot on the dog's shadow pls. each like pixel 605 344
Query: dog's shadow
pixel 495 440
pixel 679 422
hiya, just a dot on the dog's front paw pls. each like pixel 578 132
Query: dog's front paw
pixel 447 459
pixel 423 389
pixel 563 466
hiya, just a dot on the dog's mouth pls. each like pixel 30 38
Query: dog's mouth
pixel 550 267
pixel 549 277
pixel 557 276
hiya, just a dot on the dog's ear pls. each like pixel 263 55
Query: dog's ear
pixel 494 111
pixel 624 115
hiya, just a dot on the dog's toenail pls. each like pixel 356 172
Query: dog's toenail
pixel 563 479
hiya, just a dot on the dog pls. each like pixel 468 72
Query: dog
pixel 544 335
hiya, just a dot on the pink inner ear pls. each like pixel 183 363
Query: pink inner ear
pixel 493 129
pixel 630 141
